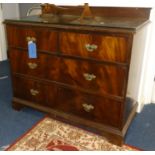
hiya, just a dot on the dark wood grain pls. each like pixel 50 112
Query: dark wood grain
pixel 106 81
pixel 45 94
pixel 72 72
pixel 107 47
pixel 104 110
pixel 20 60
pixel 47 66
pixel 17 37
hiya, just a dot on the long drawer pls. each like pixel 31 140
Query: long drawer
pixel 35 91
pixel 99 78
pixel 100 47
pixel 46 39
pixel 91 107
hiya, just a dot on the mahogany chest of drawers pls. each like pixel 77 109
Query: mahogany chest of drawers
pixel 80 74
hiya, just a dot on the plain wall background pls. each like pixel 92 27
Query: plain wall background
pixel 23 8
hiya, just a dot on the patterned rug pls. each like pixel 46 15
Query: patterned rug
pixel 50 134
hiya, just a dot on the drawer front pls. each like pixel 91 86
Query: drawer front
pixel 101 47
pixel 44 66
pixel 45 39
pixel 34 91
pixel 99 78
pixel 94 108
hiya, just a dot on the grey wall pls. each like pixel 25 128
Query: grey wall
pixel 10 10
pixel 23 8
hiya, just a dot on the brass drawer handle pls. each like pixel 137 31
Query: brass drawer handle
pixel 32 65
pixel 91 48
pixel 87 107
pixel 89 77
pixel 33 39
pixel 34 92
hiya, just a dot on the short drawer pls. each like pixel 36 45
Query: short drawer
pixel 97 77
pixel 18 36
pixel 94 108
pixel 34 91
pixel 100 47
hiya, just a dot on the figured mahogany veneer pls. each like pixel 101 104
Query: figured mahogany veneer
pixel 81 72
pixel 107 46
pixel 77 103
pixel 35 91
pixel 72 72
pixel 101 76
pixel 47 41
